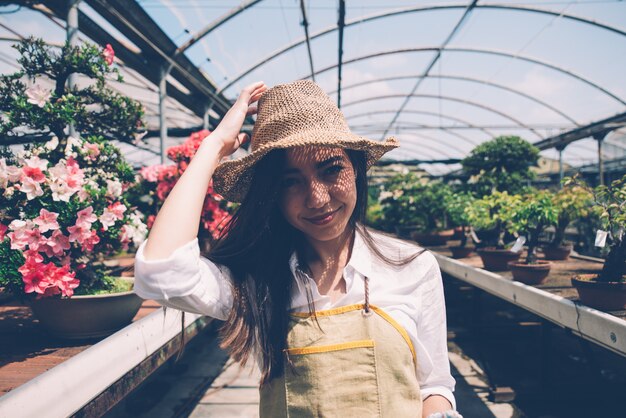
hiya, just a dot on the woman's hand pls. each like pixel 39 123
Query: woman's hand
pixel 229 128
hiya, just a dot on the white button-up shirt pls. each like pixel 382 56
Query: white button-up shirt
pixel 412 295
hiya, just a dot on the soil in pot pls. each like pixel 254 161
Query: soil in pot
pixel 432 238
pixel 87 316
pixel 609 296
pixel 497 260
pixel 532 274
pixel 557 253
pixel 461 252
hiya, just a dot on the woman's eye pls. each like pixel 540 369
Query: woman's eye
pixel 333 170
pixel 289 182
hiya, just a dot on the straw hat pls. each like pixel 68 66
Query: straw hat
pixel 293 115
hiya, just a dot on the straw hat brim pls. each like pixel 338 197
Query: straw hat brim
pixel 232 178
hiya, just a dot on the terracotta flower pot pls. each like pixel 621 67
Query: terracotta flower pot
pixel 609 296
pixel 86 316
pixel 461 252
pixel 432 238
pixel 532 274
pixel 497 260
pixel 557 253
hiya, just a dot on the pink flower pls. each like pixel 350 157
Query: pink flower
pixel 76 233
pixel 111 214
pixel 8 173
pixel 38 95
pixel 89 241
pixel 93 150
pixel 56 244
pixel 3 230
pixel 75 175
pixel 20 237
pixel 108 54
pixel 31 188
pixel 85 217
pixel 62 279
pixel 47 220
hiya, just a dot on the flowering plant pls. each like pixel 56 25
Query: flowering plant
pixel 59 220
pixel 157 181
pixel 62 202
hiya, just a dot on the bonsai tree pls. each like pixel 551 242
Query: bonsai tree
pixel 610 203
pixel 529 216
pixel 37 105
pixel 456 208
pixel 502 164
pixel 572 203
pixel 63 200
pixel 397 202
pixel 490 214
pixel 430 203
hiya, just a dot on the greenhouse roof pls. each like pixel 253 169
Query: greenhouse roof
pixel 441 76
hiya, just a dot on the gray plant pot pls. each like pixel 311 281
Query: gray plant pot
pixel 86 316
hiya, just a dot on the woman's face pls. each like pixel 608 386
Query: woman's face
pixel 318 191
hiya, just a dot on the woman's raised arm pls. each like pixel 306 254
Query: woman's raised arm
pixel 178 220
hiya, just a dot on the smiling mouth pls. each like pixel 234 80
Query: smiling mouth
pixel 323 219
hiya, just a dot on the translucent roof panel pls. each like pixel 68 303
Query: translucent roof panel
pixel 440 76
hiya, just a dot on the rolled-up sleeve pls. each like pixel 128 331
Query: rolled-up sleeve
pixel 432 334
pixel 186 281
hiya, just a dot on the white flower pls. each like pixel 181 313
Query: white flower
pixel 31 188
pixel 8 192
pixel 37 95
pixel 114 188
pixel 52 144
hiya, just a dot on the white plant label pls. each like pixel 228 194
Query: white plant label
pixel 601 238
pixel 474 236
pixel 519 243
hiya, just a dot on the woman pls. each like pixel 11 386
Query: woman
pixel 343 321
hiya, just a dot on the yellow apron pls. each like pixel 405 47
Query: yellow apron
pixel 358 362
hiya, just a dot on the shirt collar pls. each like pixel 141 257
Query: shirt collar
pixel 360 259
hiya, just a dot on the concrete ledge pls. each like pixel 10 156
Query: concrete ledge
pixel 94 380
pixel 599 327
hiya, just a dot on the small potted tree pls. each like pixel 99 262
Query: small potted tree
pixel 456 207
pixel 529 217
pixel 572 203
pixel 429 202
pixel 397 199
pixel 489 215
pixel 607 290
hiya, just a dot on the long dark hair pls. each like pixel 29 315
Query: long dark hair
pixel 256 248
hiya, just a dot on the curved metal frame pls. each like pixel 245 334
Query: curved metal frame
pixel 470 79
pixel 454 99
pixel 479 51
pixel 416 10
pixel 409 132
pixel 423 112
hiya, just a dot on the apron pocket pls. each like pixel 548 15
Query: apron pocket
pixel 337 380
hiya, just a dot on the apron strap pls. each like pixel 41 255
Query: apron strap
pixel 367 295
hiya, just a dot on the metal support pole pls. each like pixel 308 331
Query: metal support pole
pixel 560 149
pixel 600 138
pixel 165 70
pixel 72 38
pixel 205 117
